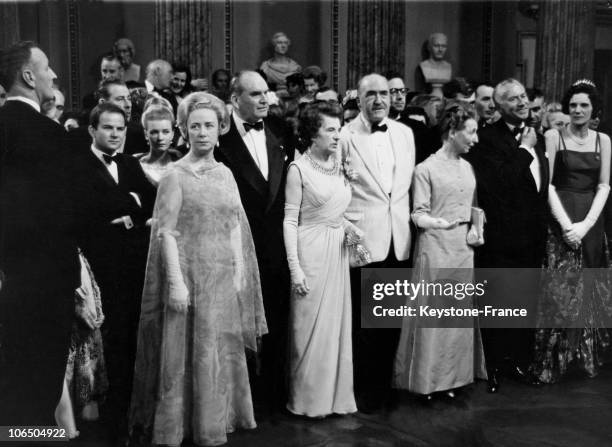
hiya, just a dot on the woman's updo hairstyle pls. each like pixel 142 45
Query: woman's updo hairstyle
pixel 201 100
pixel 582 86
pixel 454 115
pixel 311 117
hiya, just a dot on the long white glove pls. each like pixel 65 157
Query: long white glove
pixel 556 208
pixel 178 294
pixel 580 229
pixel 290 225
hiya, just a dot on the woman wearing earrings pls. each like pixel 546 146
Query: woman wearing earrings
pixel 576 300
pixel 441 359
pixel 316 196
pixel 201 304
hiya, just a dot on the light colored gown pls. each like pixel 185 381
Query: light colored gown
pixel 191 377
pixel 320 356
pixel 438 359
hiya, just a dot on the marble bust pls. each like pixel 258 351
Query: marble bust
pixel 436 71
pixel 280 65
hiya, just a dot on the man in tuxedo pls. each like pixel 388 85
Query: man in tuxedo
pixel 38 250
pixel 512 186
pixel 110 69
pixel 120 201
pixel 381 151
pixel 158 79
pixel 115 92
pixel 485 106
pixel 258 149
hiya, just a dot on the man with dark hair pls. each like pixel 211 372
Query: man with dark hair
pixel 38 250
pixel 459 89
pixel 258 149
pixel 536 108
pixel 485 106
pixel 114 91
pixel 110 69
pixel 115 242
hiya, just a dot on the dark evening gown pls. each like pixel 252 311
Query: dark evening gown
pixel 575 302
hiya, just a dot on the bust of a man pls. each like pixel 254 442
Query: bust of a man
pixel 280 65
pixel 436 71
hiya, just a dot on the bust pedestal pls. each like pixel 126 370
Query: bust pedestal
pixel 436 73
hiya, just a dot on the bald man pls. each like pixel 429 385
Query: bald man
pixel 258 149
pixel 382 153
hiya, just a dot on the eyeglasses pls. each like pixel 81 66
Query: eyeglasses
pixel 395 91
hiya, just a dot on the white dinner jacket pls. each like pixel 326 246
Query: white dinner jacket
pixel 372 210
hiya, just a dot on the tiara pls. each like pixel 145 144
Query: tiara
pixel 584 82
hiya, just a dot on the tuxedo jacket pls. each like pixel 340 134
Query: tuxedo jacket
pixel 379 215
pixel 515 208
pixel 263 201
pixel 38 255
pixel 114 251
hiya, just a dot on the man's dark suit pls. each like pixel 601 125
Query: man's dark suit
pixel 118 258
pixel 515 231
pixel 38 255
pixel 264 204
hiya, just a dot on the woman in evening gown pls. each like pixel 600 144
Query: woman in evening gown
pixel 440 359
pixel 158 123
pixel 575 306
pixel 202 303
pixel 317 194
pixel 85 382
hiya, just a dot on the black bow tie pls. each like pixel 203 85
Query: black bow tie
pixel 256 126
pixel 108 159
pixel 379 128
pixel 517 131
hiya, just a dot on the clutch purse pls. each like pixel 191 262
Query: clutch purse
pixel 359 255
pixel 475 235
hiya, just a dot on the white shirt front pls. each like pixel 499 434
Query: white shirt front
pixel 255 141
pixel 383 153
pixel 534 167
pixel 110 167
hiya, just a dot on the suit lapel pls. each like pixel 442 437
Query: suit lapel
pixel 362 146
pixel 101 170
pixel 276 160
pixel 241 161
pixel 540 152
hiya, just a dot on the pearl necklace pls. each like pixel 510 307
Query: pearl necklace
pixel 317 167
pixel 576 139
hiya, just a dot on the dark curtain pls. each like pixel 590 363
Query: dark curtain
pixel 376 33
pixel 9 31
pixel 182 34
pixel 565 45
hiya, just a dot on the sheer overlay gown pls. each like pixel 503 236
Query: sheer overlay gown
pixel 191 378
pixel 320 356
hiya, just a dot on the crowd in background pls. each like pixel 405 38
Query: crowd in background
pixel 178 255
